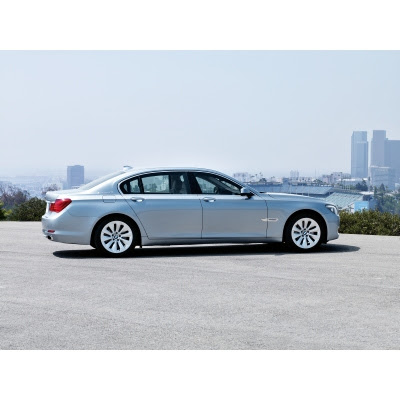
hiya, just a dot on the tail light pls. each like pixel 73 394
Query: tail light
pixel 59 205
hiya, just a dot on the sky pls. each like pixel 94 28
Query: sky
pixel 233 111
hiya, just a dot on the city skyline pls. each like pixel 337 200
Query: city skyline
pixel 273 111
pixel 384 152
pixel 383 167
pixel 361 159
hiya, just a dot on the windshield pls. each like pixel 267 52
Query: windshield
pixel 98 181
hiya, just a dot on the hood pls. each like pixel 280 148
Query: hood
pixel 292 197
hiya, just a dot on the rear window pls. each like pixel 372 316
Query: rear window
pixel 98 181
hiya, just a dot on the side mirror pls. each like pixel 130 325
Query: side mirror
pixel 246 192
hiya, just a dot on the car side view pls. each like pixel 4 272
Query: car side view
pixel 175 206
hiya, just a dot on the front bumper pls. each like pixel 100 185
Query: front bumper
pixel 332 225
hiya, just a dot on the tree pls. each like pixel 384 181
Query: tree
pixel 31 210
pixel 11 196
pixel 51 188
pixel 362 187
pixel 386 202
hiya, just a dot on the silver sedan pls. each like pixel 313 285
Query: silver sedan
pixel 174 206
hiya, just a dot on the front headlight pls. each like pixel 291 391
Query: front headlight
pixel 332 208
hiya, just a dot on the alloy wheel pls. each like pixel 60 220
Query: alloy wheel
pixel 116 237
pixel 306 233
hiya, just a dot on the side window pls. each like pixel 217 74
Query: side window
pixel 213 184
pixel 179 183
pixel 131 186
pixel 206 187
pixel 156 183
pixel 172 183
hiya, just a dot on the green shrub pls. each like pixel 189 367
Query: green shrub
pixel 31 210
pixel 370 222
pixel 2 212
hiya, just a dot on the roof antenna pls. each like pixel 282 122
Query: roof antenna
pixel 126 168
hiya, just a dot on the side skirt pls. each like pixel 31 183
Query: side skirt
pixel 171 242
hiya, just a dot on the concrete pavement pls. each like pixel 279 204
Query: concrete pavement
pixel 58 296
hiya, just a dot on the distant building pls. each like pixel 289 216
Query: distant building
pixel 383 175
pixel 385 154
pixel 359 154
pixel 335 177
pixel 359 206
pixel 378 148
pixel 343 199
pixel 352 181
pixel 242 176
pixel 392 157
pixel 75 176
pixel 294 175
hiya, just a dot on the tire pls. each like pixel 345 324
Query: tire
pixel 115 237
pixel 304 232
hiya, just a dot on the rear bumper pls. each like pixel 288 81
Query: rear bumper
pixel 65 228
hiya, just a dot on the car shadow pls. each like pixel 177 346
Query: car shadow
pixel 276 249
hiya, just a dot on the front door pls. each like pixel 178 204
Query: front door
pixel 227 214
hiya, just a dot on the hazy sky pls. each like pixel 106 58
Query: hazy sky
pixel 233 111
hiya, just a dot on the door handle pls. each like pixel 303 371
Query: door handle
pixel 209 199
pixel 137 199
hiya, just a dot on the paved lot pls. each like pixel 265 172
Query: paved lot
pixel 57 296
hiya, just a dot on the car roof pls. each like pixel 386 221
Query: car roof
pixel 110 183
pixel 139 170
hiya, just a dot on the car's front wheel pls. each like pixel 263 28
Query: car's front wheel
pixel 115 237
pixel 304 232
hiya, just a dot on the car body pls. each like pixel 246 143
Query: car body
pixel 174 206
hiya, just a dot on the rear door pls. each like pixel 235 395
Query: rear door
pixel 164 204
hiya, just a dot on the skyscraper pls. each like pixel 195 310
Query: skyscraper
pixel 75 176
pixel 385 160
pixel 378 148
pixel 359 154
pixel 392 157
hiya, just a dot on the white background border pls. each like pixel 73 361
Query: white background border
pixel 196 25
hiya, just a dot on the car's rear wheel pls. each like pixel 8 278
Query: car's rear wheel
pixel 304 232
pixel 115 237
